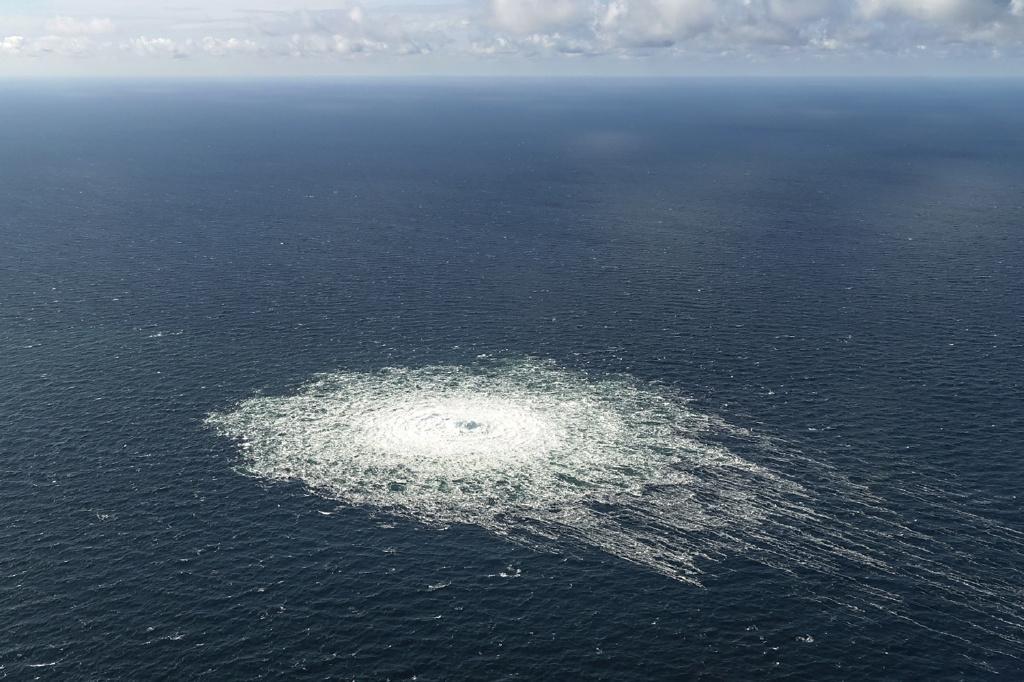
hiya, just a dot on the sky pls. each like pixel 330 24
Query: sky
pixel 511 37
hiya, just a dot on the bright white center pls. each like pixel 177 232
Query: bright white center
pixel 460 430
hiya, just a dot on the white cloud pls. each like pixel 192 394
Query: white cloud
pixel 467 32
pixel 219 47
pixel 11 45
pixel 313 45
pixel 654 23
pixel 155 47
pixel 347 31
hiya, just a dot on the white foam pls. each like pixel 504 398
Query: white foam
pixel 523 449
pixel 556 459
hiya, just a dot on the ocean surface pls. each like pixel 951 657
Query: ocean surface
pixel 452 380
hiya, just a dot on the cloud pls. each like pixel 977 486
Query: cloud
pixel 537 16
pixel 935 10
pixel 155 47
pixel 11 45
pixel 315 44
pixel 220 47
pixel 655 23
pixel 537 32
pixel 763 28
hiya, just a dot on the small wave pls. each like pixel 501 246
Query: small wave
pixel 554 458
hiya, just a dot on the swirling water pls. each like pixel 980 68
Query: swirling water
pixel 460 381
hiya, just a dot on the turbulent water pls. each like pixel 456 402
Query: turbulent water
pixel 550 457
pixel 631 381
pixel 523 449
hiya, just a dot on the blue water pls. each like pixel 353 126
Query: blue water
pixel 837 268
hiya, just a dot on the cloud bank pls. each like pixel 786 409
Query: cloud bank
pixel 585 36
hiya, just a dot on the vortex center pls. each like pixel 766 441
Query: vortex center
pixel 468 425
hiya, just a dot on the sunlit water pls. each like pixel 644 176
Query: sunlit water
pixel 554 458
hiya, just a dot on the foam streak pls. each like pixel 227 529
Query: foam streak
pixel 555 459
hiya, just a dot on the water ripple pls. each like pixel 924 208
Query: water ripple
pixel 555 458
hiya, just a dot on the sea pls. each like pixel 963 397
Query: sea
pixel 442 379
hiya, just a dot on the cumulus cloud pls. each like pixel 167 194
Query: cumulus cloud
pixel 313 44
pixel 653 23
pixel 155 47
pixel 759 26
pixel 224 46
pixel 349 30
pixel 463 31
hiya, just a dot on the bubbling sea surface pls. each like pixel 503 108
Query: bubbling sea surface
pixel 555 459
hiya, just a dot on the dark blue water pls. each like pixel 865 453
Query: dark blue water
pixel 838 267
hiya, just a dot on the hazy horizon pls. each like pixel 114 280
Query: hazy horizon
pixel 828 38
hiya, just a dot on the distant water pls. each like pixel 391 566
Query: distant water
pixel 457 380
